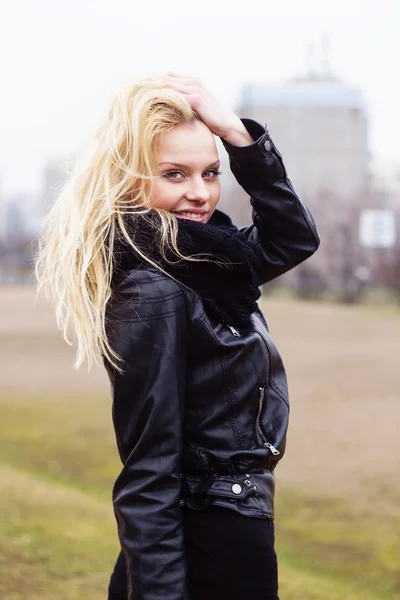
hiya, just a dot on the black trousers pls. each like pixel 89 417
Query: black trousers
pixel 228 556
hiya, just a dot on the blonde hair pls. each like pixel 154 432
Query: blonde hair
pixel 111 178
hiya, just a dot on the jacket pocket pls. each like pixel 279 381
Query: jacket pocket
pixel 261 437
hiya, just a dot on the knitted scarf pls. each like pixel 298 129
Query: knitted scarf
pixel 229 290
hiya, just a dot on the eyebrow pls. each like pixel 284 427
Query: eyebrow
pixel 182 166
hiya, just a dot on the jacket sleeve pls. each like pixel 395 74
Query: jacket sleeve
pixel 149 334
pixel 283 226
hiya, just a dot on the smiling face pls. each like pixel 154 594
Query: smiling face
pixel 188 183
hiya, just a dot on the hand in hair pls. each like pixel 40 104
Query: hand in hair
pixel 222 121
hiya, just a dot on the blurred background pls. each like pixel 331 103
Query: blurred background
pixel 323 76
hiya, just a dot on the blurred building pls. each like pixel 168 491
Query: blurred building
pixel 55 174
pixel 15 242
pixel 320 126
pixel 2 217
pixel 15 222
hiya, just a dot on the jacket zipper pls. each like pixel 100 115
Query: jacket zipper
pixel 270 357
pixel 260 435
pixel 230 327
pixel 234 331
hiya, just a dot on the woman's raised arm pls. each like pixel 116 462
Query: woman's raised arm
pixel 283 226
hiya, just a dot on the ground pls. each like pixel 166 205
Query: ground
pixel 338 488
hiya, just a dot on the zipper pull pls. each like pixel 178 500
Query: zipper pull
pixel 233 331
pixel 274 451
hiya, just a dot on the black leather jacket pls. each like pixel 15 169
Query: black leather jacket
pixel 201 412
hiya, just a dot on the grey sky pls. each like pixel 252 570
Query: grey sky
pixel 62 60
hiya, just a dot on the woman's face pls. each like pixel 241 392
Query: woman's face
pixel 188 183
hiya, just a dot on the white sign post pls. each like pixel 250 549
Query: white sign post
pixel 377 229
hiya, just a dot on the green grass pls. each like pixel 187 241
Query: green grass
pixel 66 440
pixel 56 543
pixel 331 538
pixel 58 532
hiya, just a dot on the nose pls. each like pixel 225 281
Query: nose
pixel 198 190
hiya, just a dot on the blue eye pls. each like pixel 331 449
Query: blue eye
pixel 213 172
pixel 178 175
pixel 173 175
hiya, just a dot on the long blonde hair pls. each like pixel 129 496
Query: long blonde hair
pixel 111 178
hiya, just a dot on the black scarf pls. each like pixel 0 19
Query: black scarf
pixel 229 290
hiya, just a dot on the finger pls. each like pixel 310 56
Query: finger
pixel 194 100
pixel 175 74
pixel 183 78
pixel 182 87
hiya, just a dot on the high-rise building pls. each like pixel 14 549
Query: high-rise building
pixel 320 126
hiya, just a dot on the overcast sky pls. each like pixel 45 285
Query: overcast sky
pixel 61 61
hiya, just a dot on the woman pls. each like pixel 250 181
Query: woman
pixel 162 284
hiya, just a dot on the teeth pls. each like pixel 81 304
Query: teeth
pixel 190 214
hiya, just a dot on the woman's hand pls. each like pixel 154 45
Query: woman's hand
pixel 220 119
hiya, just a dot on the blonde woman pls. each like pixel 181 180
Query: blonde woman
pixel 154 279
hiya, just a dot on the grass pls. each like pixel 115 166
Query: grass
pixel 66 440
pixel 59 534
pixel 56 542
pixel 48 557
pixel 330 537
